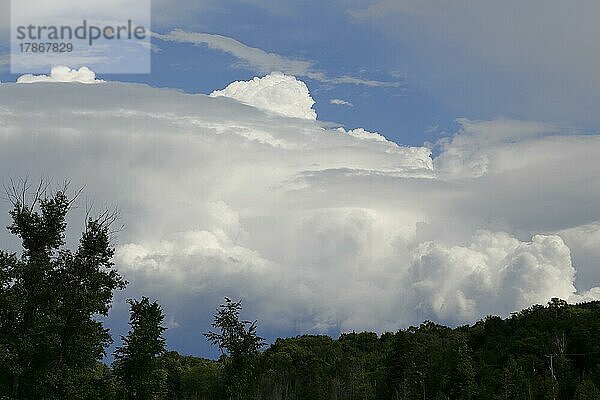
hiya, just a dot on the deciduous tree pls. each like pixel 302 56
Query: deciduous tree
pixel 50 297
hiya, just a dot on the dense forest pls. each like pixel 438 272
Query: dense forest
pixel 52 340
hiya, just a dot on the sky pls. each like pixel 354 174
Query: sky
pixel 342 165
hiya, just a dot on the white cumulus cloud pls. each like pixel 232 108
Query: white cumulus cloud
pixel 277 92
pixel 496 273
pixel 62 74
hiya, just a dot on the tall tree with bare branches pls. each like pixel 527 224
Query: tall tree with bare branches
pixel 50 337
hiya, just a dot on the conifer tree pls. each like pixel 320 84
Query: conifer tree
pixel 137 363
pixel 239 344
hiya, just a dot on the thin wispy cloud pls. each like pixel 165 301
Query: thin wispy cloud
pixel 340 102
pixel 432 128
pixel 260 61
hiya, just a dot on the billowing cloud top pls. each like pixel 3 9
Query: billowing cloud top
pixel 277 92
pixel 62 74
pixel 317 229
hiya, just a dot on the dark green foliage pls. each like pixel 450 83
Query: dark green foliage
pixel 493 359
pixel 318 367
pixel 513 357
pixel 239 344
pixel 50 340
pixel 235 338
pixel 431 361
pixel 586 390
pixel 302 368
pixel 137 363
pixel 192 378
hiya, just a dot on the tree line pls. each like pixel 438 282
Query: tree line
pixel 53 341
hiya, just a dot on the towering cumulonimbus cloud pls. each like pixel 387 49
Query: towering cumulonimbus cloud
pixel 244 194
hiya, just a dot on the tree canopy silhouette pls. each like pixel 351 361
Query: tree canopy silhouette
pixel 50 339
